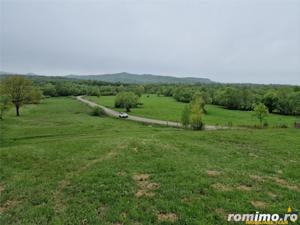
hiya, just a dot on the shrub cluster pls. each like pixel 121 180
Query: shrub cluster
pixel 97 111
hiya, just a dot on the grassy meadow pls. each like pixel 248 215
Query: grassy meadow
pixel 60 165
pixel 167 108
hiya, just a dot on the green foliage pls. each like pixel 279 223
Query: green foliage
pixel 183 94
pixel 20 91
pixel 98 93
pixel 261 112
pixel 234 98
pixel 185 117
pixel 94 91
pixel 108 90
pixel 247 99
pixel 75 88
pixel 166 91
pixel 35 96
pixel 196 113
pixel 98 111
pixel 283 100
pixel 120 88
pixel 280 99
pixel 270 99
pixel 139 90
pixel 126 100
pixel 172 111
pixel 69 89
pixel 289 102
pixel 5 103
pixel 203 99
pixel 49 90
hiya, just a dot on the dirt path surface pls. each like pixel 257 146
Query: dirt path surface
pixel 113 113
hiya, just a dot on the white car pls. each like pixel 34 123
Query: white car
pixel 123 115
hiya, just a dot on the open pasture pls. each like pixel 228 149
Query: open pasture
pixel 60 165
pixel 167 108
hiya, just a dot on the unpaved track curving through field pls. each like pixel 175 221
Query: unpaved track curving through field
pixel 113 113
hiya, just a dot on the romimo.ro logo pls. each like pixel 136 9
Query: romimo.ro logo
pixel 263 218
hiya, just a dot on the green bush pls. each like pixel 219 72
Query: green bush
pixel 5 103
pixel 97 111
pixel 196 114
pixel 185 116
pixel 282 125
pixel 261 112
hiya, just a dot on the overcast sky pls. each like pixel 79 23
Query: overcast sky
pixel 224 40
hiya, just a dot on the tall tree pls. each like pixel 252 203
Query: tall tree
pixel 19 90
pixel 126 100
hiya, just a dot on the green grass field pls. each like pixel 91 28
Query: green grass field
pixel 60 165
pixel 167 108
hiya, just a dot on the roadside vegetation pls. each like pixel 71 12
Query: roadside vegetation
pixel 97 111
pixel 192 114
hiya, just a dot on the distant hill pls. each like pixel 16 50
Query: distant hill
pixel 5 73
pixel 127 78
pixel 10 73
pixel 143 79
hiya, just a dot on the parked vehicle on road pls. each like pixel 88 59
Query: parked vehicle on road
pixel 123 115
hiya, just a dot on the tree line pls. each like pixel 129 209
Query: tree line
pixel 16 90
pixel 281 99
